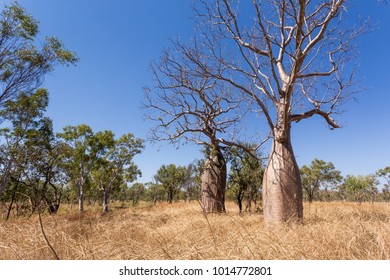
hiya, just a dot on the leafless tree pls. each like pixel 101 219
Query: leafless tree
pixel 189 105
pixel 290 57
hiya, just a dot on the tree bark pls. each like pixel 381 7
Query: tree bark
pixel 12 201
pixel 105 200
pixel 282 188
pixel 213 185
pixel 239 201
pixel 81 197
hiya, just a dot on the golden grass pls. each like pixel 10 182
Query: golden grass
pixel 331 230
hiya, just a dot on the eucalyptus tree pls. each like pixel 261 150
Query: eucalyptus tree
pixel 290 59
pixel 136 192
pixel 172 179
pixel 154 192
pixel 80 156
pixel 359 188
pixel 191 184
pixel 40 168
pixel 22 118
pixel 319 174
pixel 115 164
pixel 245 176
pixel 385 174
pixel 23 62
pixel 30 155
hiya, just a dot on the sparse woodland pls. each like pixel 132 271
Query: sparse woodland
pixel 73 194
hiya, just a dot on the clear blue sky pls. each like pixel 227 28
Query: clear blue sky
pixel 116 40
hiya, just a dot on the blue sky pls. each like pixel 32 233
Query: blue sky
pixel 117 39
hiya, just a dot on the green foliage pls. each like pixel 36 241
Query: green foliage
pixel 115 165
pixel 108 161
pixel 385 174
pixel 24 63
pixel 154 192
pixel 17 23
pixel 318 175
pixel 359 188
pixel 136 191
pixel 172 179
pixel 80 152
pixel 31 158
pixel 192 180
pixel 245 177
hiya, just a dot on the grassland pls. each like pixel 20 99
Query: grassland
pixel 331 230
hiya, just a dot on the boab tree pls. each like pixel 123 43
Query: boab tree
pixel 289 57
pixel 189 105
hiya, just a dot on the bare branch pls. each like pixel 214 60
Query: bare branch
pixel 298 117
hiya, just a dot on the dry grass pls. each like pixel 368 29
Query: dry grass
pixel 181 231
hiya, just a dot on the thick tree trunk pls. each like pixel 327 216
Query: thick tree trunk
pixel 214 184
pixel 105 200
pixel 282 188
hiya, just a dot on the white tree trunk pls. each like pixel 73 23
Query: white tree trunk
pixel 105 200
pixel 81 200
pixel 81 195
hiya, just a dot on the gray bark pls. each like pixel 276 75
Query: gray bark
pixel 105 200
pixel 81 196
pixel 214 184
pixel 5 177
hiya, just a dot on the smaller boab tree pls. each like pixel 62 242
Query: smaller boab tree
pixel 189 106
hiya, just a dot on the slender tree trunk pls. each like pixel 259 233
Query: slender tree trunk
pixel 282 188
pixel 12 201
pixel 170 196
pixel 310 196
pixel 5 177
pixel 105 200
pixel 214 184
pixel 239 200
pixel 81 196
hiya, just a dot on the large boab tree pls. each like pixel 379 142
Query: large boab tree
pixel 289 58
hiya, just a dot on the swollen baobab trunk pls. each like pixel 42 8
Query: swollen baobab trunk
pixel 214 184
pixel 282 188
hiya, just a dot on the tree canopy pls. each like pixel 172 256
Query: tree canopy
pixel 23 62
